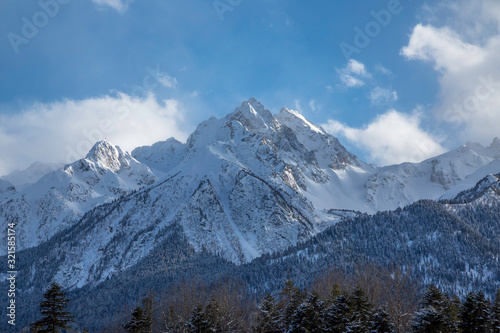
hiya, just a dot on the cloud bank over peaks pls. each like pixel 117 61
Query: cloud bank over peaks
pixel 469 75
pixel 443 47
pixel 66 130
pixel 391 138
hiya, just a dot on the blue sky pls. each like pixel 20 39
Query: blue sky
pixel 137 72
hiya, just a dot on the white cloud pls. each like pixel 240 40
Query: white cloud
pixel 356 67
pixel 65 131
pixel 391 138
pixel 443 47
pixel 353 74
pixel 119 5
pixel 351 82
pixel 469 75
pixel 382 96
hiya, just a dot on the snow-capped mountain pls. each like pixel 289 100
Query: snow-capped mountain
pixel 61 197
pixel 327 174
pixel 442 176
pixel 452 245
pixel 471 180
pixel 485 192
pixel 241 186
pixel 23 178
pixel 234 191
pixel 162 156
pixel 247 184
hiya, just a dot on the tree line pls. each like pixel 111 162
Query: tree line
pixel 369 299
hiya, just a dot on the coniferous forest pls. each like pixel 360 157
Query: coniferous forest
pixel 370 299
pixel 390 258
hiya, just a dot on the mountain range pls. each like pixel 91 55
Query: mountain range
pixel 249 191
pixel 256 182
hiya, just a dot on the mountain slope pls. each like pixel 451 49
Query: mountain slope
pixel 61 197
pixel 247 169
pixel 452 245
pixel 242 186
pixel 254 194
pixel 234 193
pixel 398 185
pixel 24 178
pixel 6 190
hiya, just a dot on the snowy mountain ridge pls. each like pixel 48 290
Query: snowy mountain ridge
pixel 61 197
pixel 23 178
pixel 485 192
pixel 255 196
pixel 247 184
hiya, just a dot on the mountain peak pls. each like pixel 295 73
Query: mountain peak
pixel 254 106
pixel 292 118
pixel 491 151
pixel 100 149
pixel 254 115
pixel 106 154
pixel 252 100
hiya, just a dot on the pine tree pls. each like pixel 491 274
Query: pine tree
pixel 495 313
pixel 484 306
pixel 53 310
pixel 337 314
pixel 293 297
pixel 474 314
pixel 335 292
pixel 428 320
pixel 139 322
pixel 381 323
pixel 199 322
pixel 436 313
pixel 267 318
pixel 361 311
pixel 451 312
pixel 308 316
pixel 142 321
